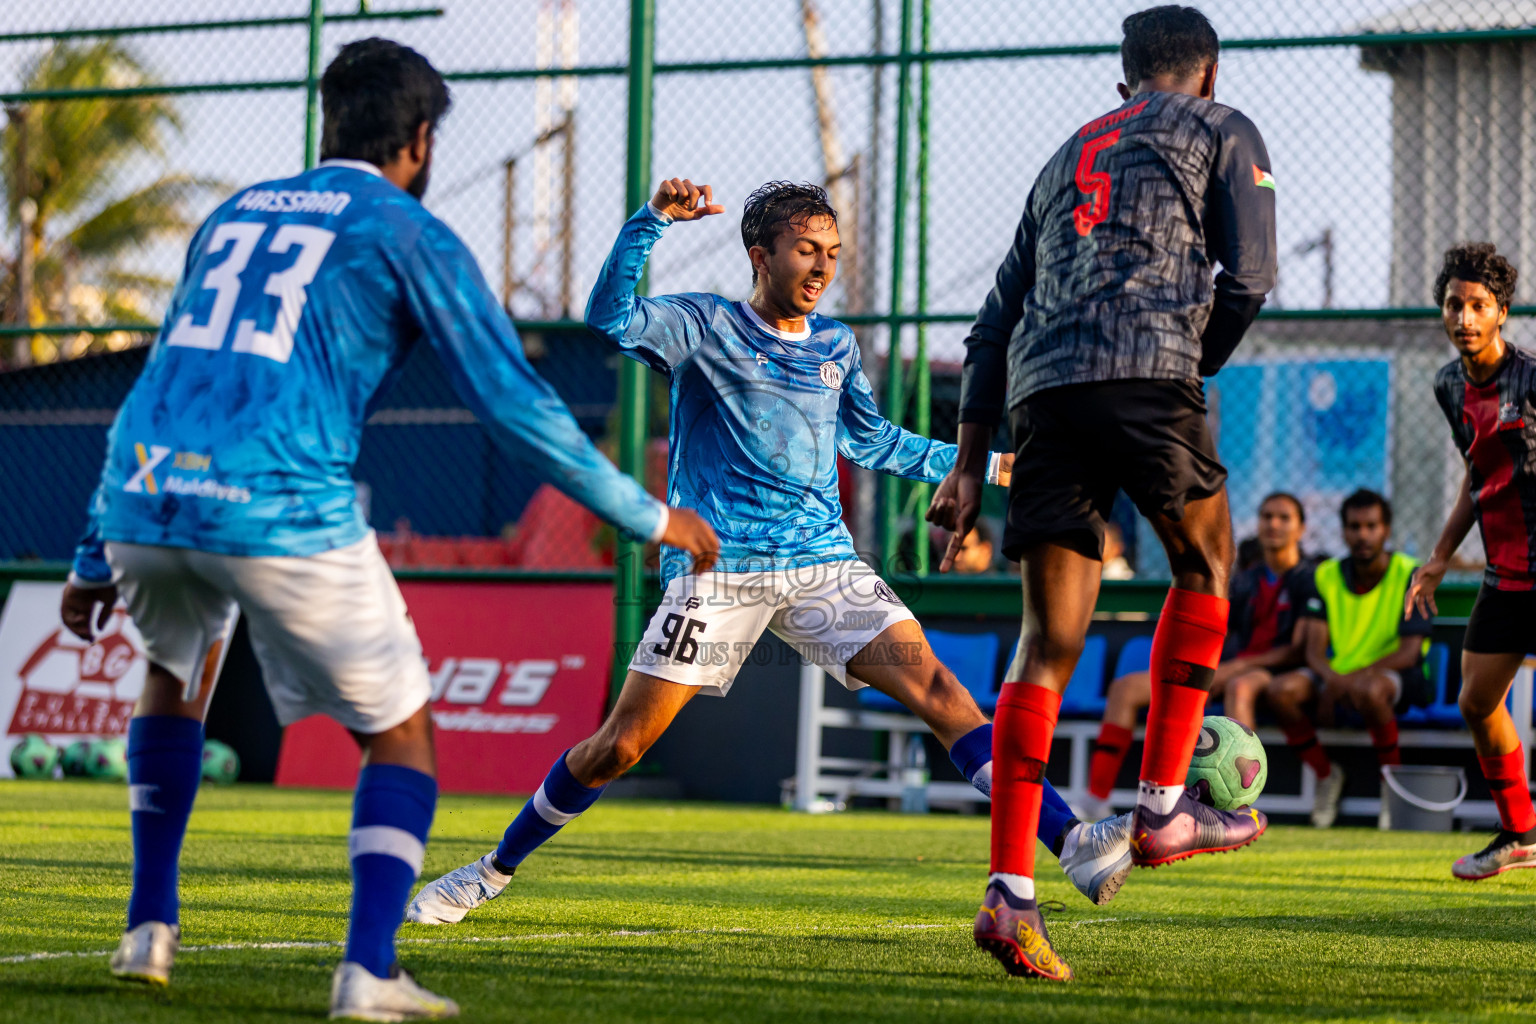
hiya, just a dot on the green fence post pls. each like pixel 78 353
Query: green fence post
pixel 312 85
pixel 629 623
pixel 922 421
pixel 890 486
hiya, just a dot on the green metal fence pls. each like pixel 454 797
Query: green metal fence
pixel 1395 129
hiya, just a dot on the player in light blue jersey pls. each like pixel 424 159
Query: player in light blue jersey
pixel 766 394
pixel 228 486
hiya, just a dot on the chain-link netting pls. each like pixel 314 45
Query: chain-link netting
pixel 1395 129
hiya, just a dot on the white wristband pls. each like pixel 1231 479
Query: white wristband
pixel 995 467
pixel 661 525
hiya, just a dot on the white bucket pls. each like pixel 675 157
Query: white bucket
pixel 1421 797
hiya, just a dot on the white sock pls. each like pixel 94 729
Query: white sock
pixel 1157 798
pixel 488 870
pixel 1021 886
pixel 982 780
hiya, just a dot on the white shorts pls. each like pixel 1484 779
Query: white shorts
pixel 706 626
pixel 330 630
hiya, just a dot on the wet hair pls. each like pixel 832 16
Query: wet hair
pixel 778 204
pixel 375 95
pixel 1477 263
pixel 1301 513
pixel 1168 40
pixel 1364 499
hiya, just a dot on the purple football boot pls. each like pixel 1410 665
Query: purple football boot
pixel 1190 828
pixel 1013 930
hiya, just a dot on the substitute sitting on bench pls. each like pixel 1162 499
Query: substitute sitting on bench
pixel 1361 652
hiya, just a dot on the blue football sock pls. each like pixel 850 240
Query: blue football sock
pixel 972 754
pixel 391 815
pixel 165 763
pixel 559 801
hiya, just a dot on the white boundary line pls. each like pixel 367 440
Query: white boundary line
pixel 23 958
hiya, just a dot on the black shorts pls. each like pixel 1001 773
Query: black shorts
pixel 1075 446
pixel 1502 622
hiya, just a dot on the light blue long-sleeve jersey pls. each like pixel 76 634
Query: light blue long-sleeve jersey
pixel 299 301
pixel 758 417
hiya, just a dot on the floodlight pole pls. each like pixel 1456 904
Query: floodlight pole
pixel 629 623
pixel 312 83
pixel 922 385
pixel 890 513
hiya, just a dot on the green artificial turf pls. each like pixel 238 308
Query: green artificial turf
pixel 668 912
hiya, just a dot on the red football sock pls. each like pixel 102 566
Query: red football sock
pixel 1185 651
pixel 1303 739
pixel 1384 738
pixel 1021 745
pixel 1108 755
pixel 1511 790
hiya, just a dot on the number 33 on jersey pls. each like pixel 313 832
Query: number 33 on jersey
pixel 239 242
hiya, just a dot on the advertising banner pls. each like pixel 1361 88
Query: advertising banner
pixel 57 685
pixel 519 673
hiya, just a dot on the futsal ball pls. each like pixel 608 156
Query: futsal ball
pixel 75 757
pixel 34 758
pixel 108 759
pixel 221 764
pixel 1230 761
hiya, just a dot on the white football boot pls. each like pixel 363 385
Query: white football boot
pixel 145 953
pixel 461 890
pixel 357 995
pixel 1097 857
pixel 1325 802
pixel 1508 851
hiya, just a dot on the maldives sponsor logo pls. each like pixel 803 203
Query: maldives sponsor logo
pixel 1263 178
pixel 215 489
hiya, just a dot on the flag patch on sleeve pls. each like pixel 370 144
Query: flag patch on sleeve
pixel 1263 178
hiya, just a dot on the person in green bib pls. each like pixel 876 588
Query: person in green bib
pixel 1361 651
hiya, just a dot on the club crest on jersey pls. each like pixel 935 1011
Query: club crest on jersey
pixel 832 375
pixel 1509 412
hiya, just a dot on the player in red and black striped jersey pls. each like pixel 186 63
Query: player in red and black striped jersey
pixel 1489 396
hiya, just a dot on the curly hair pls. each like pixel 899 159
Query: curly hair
pixel 1477 263
pixel 780 203
pixel 1167 40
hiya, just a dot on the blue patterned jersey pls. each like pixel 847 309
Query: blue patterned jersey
pixel 758 415
pixel 299 301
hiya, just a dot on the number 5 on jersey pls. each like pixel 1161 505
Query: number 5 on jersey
pixel 1094 183
pixel 241 239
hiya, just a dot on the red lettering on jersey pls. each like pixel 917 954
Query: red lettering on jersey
pixel 1094 183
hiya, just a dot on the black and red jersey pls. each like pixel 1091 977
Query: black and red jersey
pixel 1494 425
pixel 1113 273
pixel 1265 607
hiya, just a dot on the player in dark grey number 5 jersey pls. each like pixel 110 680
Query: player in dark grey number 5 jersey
pixel 1108 310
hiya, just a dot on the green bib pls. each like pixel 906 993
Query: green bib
pixel 1363 628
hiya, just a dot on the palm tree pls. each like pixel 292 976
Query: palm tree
pixel 85 220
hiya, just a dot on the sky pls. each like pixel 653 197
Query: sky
pixel 993 124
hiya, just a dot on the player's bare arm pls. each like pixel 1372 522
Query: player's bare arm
pixel 686 529
pixel 1421 590
pixel 957 502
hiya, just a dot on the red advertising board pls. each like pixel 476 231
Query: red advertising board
pixel 519 673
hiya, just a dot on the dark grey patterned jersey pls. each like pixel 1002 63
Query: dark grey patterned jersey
pixel 1111 275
